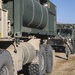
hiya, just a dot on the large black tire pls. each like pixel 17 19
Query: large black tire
pixel 34 69
pixel 49 58
pixel 40 67
pixel 6 63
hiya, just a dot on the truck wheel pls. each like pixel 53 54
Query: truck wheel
pixel 6 63
pixel 49 59
pixel 40 67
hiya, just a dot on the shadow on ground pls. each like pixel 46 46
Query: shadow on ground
pixel 60 57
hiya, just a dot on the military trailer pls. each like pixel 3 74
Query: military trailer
pixel 25 29
pixel 64 40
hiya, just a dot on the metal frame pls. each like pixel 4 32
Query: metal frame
pixel 17 17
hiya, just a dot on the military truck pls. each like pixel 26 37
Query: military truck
pixel 25 29
pixel 64 40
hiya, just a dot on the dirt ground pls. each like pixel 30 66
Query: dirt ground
pixel 63 66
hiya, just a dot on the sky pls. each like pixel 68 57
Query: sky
pixel 65 11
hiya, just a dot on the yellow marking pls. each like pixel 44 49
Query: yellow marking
pixel 48 4
pixel 0 35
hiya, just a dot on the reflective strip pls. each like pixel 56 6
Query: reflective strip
pixel 33 14
pixel 41 14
